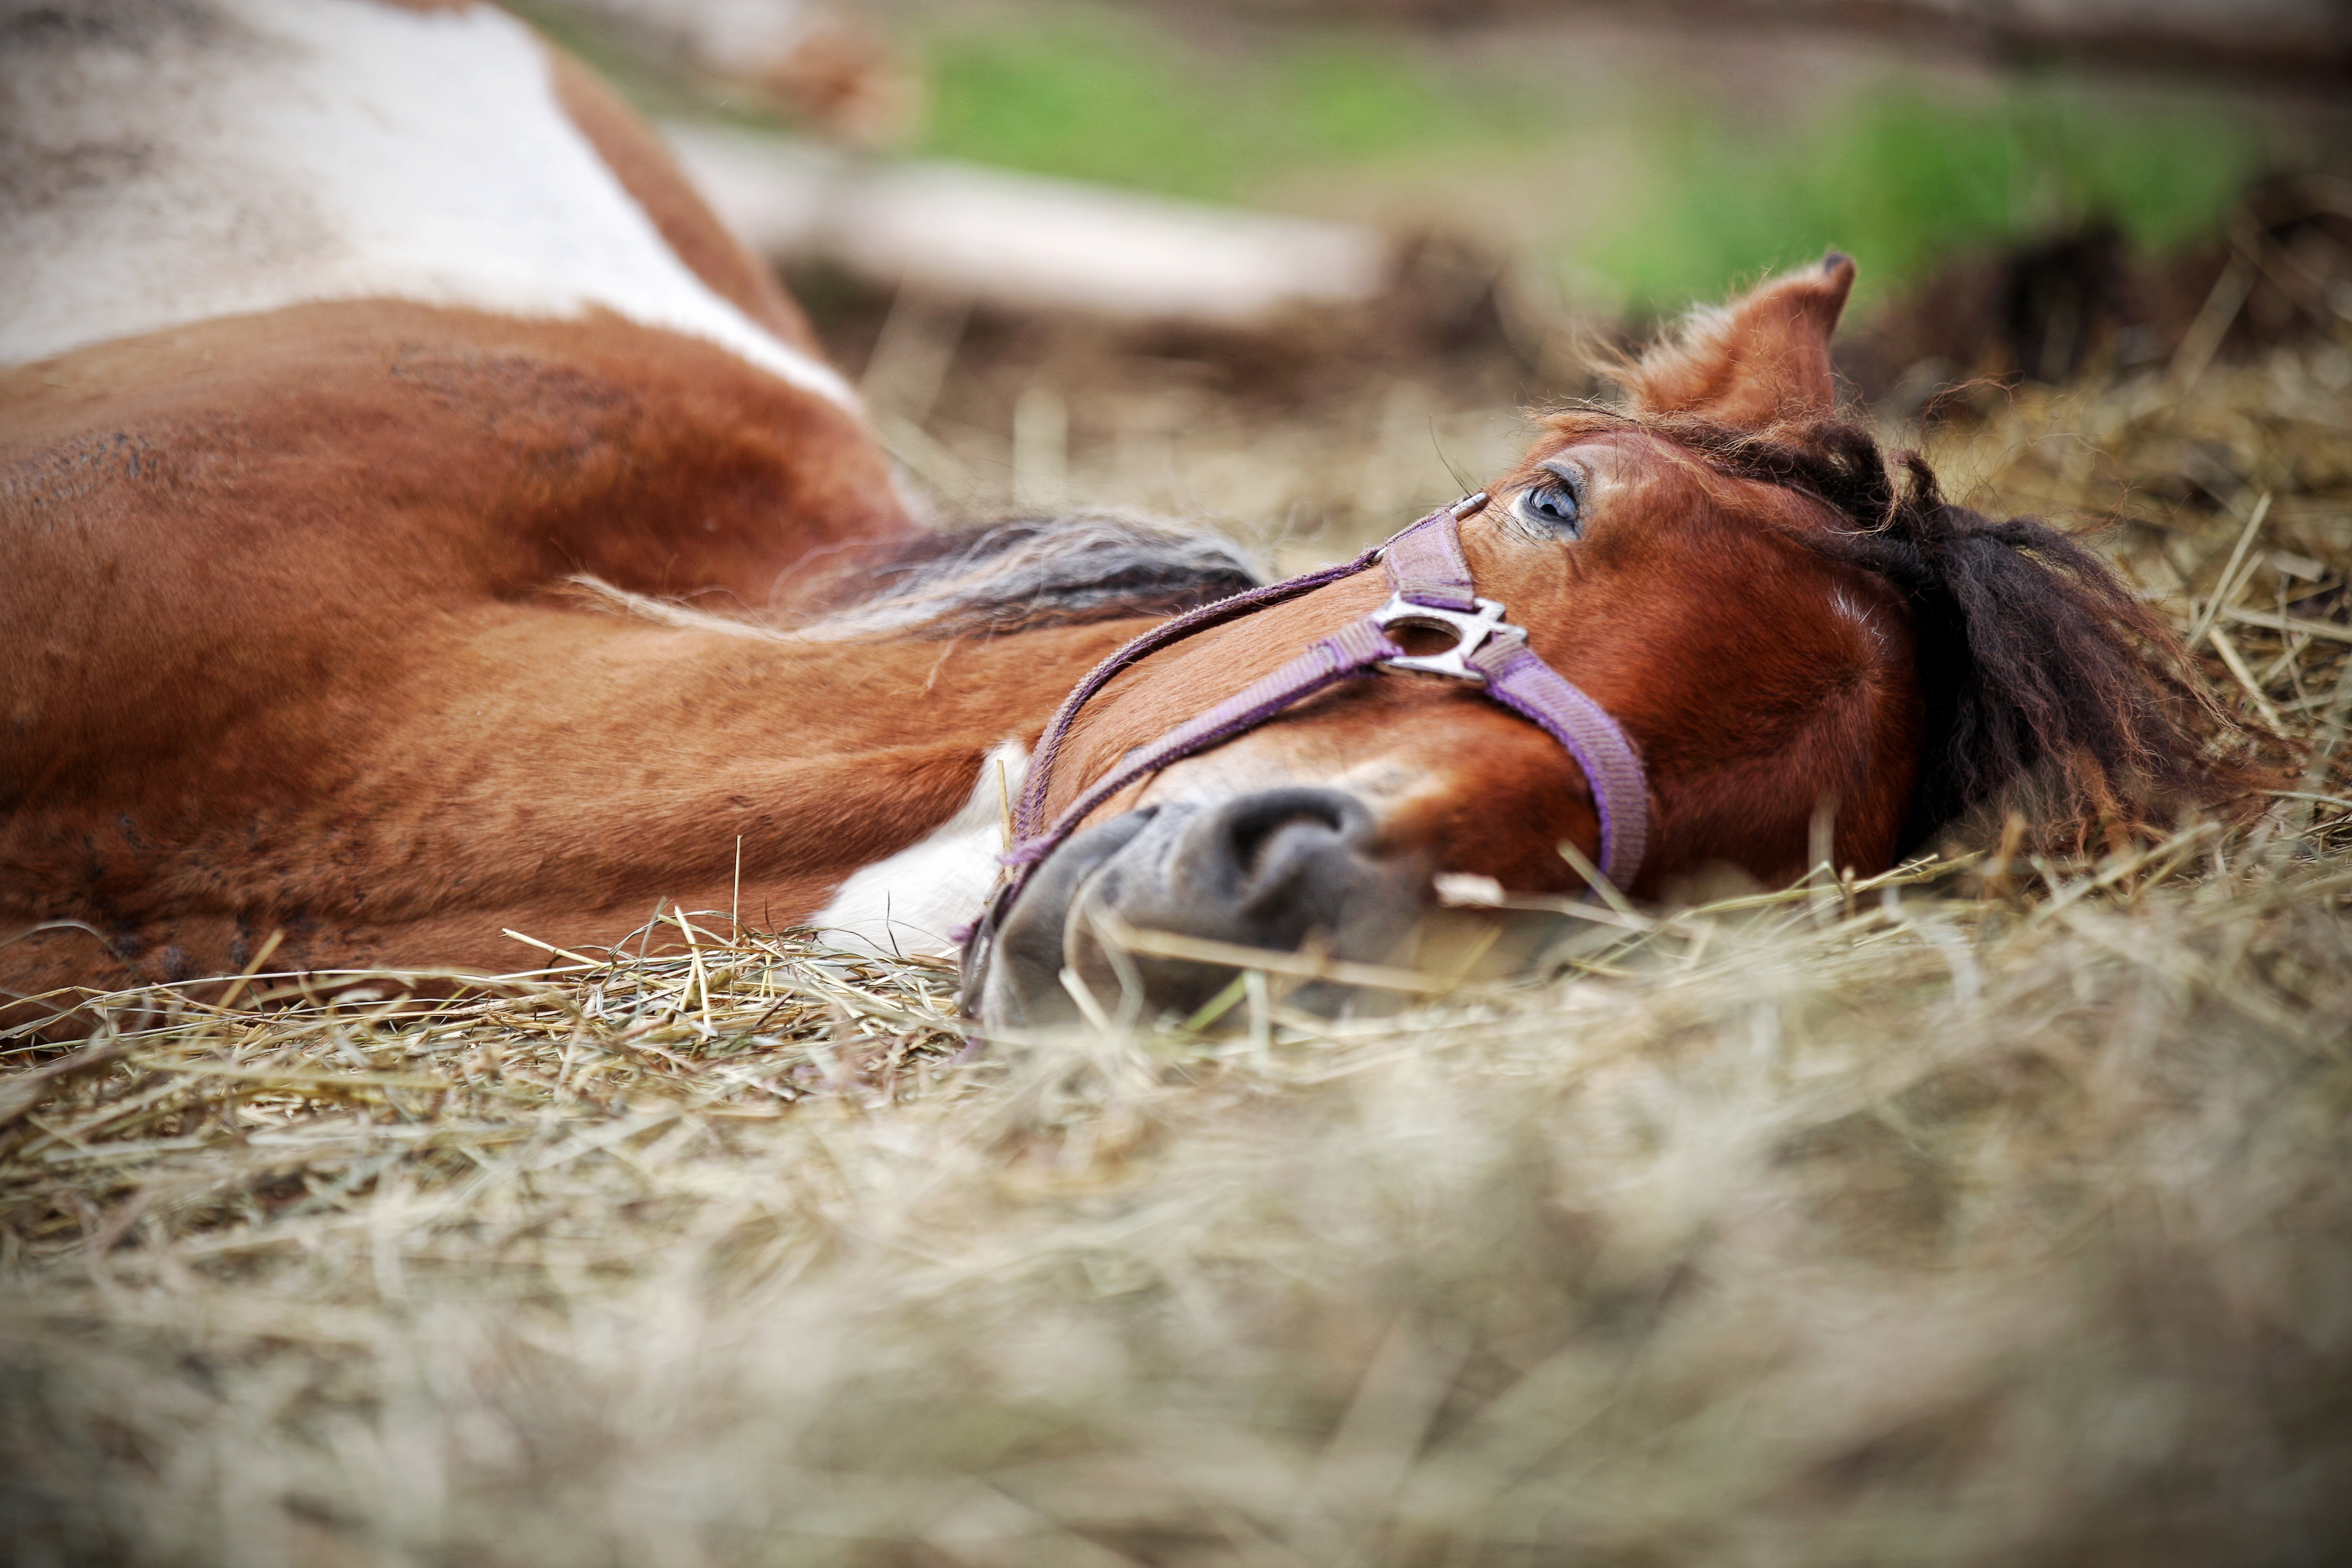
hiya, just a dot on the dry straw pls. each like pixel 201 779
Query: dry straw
pixel 1989 1212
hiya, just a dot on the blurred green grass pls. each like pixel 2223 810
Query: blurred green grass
pixel 1902 179
pixel 1899 167
pixel 1113 98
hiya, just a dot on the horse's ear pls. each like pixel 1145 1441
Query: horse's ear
pixel 1761 360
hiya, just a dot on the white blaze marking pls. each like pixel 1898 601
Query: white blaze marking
pixel 254 154
pixel 912 901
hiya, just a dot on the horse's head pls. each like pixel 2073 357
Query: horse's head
pixel 1786 637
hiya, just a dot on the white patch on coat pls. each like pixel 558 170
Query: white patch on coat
pixel 916 900
pixel 174 165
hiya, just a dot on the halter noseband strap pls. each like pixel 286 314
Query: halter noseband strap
pixel 1430 587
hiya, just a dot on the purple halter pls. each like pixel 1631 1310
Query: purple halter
pixel 1430 587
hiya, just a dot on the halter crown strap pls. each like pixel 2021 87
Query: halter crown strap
pixel 1430 586
pixel 1426 566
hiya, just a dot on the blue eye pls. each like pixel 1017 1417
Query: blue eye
pixel 1549 505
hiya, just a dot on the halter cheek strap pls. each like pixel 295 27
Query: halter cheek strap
pixel 1430 588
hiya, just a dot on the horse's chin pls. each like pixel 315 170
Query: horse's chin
pixel 1121 923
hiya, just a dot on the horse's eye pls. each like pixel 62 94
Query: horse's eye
pixel 1549 507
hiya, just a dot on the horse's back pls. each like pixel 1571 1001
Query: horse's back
pixel 233 223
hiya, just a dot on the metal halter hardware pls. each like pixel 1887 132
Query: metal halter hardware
pixel 1470 633
pixel 1429 579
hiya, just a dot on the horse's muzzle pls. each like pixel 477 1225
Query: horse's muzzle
pixel 1287 869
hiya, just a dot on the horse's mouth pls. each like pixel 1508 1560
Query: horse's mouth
pixel 1124 921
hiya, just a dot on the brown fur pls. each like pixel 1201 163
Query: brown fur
pixel 2035 663
pixel 1754 365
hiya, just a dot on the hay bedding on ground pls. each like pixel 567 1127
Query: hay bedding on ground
pixel 1992 1212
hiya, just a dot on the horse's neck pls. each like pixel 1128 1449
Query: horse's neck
pixel 663 753
pixel 537 768
pixel 905 761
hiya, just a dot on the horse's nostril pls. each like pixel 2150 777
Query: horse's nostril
pixel 1249 825
pixel 1272 869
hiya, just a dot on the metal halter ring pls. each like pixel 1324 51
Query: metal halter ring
pixel 1471 632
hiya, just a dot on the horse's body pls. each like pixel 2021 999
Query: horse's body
pixel 346 336
pixel 304 440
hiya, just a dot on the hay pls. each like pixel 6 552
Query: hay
pixel 1992 1212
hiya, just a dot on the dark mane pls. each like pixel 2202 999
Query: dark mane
pixel 2036 660
pixel 1020 572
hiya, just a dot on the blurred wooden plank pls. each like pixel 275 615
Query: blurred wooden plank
pixel 1024 241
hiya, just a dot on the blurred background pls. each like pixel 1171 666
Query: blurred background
pixel 1298 266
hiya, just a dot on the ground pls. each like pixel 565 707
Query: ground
pixel 1991 1212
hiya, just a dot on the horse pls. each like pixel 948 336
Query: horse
pixel 426 524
